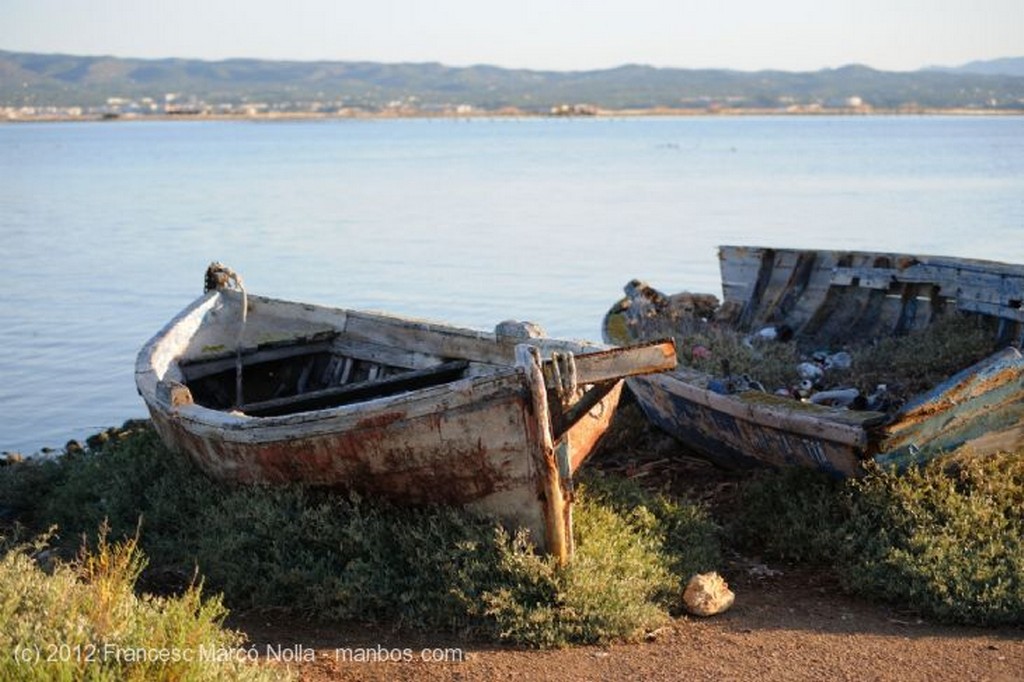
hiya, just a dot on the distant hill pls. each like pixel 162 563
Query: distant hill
pixel 1007 66
pixel 66 80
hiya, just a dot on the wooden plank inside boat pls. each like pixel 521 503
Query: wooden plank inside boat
pixel 373 387
pixel 226 360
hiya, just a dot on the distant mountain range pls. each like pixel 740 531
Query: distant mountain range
pixel 38 80
pixel 1008 66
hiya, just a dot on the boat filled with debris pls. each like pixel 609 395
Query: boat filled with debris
pixel 260 390
pixel 830 358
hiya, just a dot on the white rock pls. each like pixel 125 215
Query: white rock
pixel 707 594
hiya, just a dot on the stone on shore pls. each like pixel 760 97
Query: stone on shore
pixel 707 594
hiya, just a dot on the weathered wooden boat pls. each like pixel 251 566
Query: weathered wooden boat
pixel 258 390
pixel 852 303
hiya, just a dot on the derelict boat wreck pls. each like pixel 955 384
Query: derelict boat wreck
pixel 259 390
pixel 894 358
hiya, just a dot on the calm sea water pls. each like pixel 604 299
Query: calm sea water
pixel 106 229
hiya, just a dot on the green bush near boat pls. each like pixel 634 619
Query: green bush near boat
pixel 946 540
pixel 83 620
pixel 342 557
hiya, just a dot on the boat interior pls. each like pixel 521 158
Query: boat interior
pixel 887 328
pixel 282 378
pixel 826 297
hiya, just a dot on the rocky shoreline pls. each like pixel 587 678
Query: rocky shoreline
pixel 75 447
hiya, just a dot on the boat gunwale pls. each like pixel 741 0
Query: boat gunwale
pixel 961 263
pixel 823 426
pixel 412 405
pixel 496 353
pixel 147 374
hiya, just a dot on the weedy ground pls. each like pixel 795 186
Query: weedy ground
pixel 138 529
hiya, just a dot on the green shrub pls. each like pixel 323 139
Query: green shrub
pixel 83 620
pixel 945 540
pixel 132 476
pixel 919 360
pixel 22 486
pixel 620 583
pixel 334 556
pixel 948 543
pixel 344 558
pixel 795 514
pixel 685 531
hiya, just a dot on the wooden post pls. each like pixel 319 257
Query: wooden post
pixel 557 519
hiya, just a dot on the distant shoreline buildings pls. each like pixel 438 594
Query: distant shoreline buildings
pixel 68 87
pixel 173 106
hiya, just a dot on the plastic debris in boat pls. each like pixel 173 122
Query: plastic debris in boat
pixel 700 352
pixel 781 333
pixel 802 390
pixel 810 371
pixel 840 360
pixel 839 397
pixel 880 400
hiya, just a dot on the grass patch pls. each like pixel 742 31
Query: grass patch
pixel 342 557
pixel 795 514
pixel 634 551
pixel 919 360
pixel 944 540
pixel 83 620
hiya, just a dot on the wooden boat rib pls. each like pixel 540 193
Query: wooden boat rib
pixel 838 299
pixel 412 411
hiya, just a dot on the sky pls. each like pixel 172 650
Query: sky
pixel 560 35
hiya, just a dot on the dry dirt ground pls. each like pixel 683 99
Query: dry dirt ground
pixel 793 626
pixel 788 623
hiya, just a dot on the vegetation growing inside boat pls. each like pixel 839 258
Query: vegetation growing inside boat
pixel 299 376
pixel 777 361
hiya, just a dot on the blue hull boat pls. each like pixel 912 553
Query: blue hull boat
pixel 843 305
